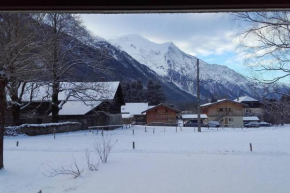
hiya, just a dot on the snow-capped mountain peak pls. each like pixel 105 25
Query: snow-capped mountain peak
pixel 145 51
pixel 178 67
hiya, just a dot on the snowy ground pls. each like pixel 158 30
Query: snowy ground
pixel 186 161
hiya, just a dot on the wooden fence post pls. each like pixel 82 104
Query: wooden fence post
pixel 17 143
pixel 153 130
pixel 133 131
pixel 133 145
pixel 145 129
pixel 251 149
pixel 102 131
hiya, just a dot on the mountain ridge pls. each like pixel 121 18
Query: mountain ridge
pixel 178 67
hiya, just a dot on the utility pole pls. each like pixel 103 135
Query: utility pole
pixel 2 118
pixel 198 97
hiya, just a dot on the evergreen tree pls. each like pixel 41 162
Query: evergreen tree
pixel 126 91
pixel 137 91
pixel 155 94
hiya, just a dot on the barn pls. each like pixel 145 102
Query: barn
pixel 90 103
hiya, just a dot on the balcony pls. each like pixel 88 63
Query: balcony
pixel 229 113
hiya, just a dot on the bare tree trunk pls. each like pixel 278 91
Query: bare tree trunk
pixel 2 119
pixel 15 114
pixel 54 106
pixel 55 83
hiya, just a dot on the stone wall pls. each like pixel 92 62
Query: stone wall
pixel 43 129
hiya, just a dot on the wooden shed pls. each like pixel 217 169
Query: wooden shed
pixel 162 115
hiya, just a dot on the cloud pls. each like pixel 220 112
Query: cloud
pixel 205 35
pixel 199 33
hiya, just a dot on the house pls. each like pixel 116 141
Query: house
pixel 161 115
pixel 253 106
pixel 91 103
pixel 187 117
pixel 229 113
pixel 130 109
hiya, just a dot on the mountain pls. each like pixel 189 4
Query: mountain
pixel 179 68
pixel 120 66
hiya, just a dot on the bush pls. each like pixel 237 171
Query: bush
pixel 103 146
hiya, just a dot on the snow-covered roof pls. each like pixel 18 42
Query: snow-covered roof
pixel 87 91
pixel 207 104
pixel 193 116
pixel 78 107
pixel 132 109
pixel 245 99
pixel 172 108
pixel 251 119
pixel 149 107
pixel 218 101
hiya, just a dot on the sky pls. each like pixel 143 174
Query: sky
pixel 208 36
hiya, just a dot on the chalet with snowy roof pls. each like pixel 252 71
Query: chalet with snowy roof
pixel 161 115
pixel 229 113
pixel 253 106
pixel 91 103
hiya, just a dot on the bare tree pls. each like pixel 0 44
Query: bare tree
pixel 265 44
pixel 18 42
pixel 277 111
pixel 68 44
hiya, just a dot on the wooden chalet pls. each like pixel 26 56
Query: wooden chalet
pixel 229 113
pixel 161 115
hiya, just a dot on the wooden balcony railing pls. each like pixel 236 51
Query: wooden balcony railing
pixel 217 114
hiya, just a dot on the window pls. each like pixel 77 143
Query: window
pixel 220 110
pixel 231 119
pixel 166 111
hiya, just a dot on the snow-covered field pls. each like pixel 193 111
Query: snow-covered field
pixel 170 161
